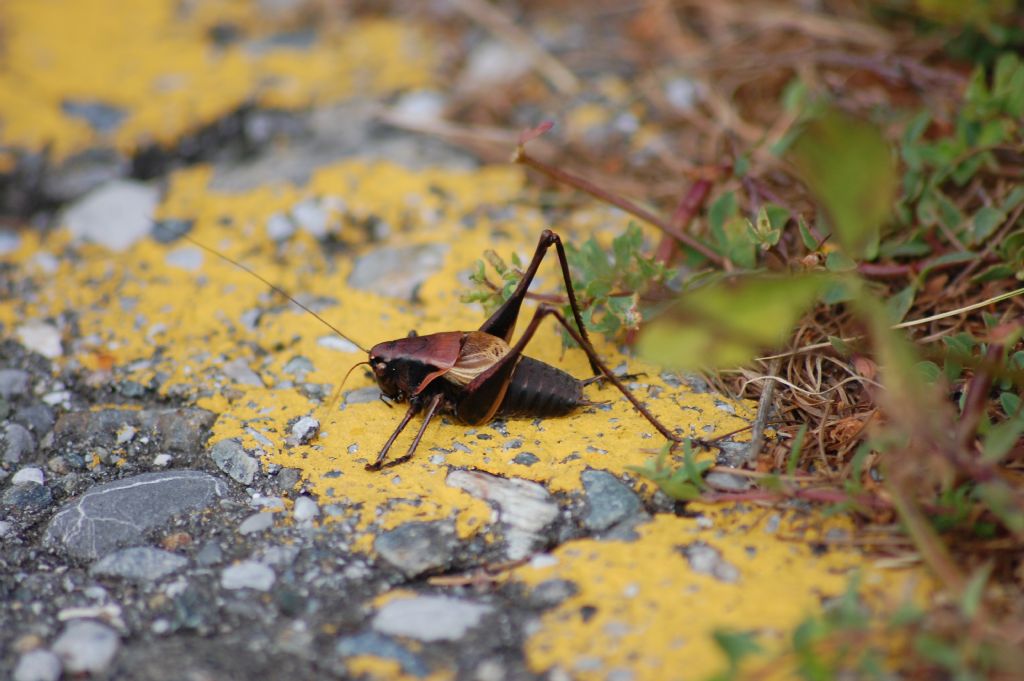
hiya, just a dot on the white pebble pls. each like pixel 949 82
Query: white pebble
pixel 247 574
pixel 305 509
pixel 37 665
pixel 28 474
pixel 87 646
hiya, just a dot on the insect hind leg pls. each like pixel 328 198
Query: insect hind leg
pixel 595 361
pixel 503 322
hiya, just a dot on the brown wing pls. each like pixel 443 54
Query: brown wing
pixel 480 351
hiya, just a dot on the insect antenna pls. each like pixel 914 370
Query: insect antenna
pixel 336 395
pixel 273 287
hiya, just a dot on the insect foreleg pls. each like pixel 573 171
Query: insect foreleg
pixel 503 322
pixel 435 402
pixel 413 408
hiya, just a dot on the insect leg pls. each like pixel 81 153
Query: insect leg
pixel 413 408
pixel 435 402
pixel 503 322
pixel 595 360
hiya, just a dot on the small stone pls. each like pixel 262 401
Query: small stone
pixel 10 241
pixel 416 548
pixel 298 367
pixel 28 474
pixel 28 496
pixel 115 215
pixel 38 418
pixel 526 508
pixel 238 371
pixel 139 564
pixel 210 554
pixel 419 105
pixel 176 541
pixel 102 117
pixel 13 383
pixel 187 258
pixel 429 618
pixel 378 645
pixel 287 479
pixel 608 500
pixel 491 64
pixel 232 458
pixel 525 459
pixel 280 227
pixel 247 574
pixel 339 344
pixel 18 442
pixel 257 522
pixel 304 430
pixel 727 482
pixel 312 216
pixel 552 592
pixel 5 528
pixel 125 434
pixel 162 460
pixel 58 465
pixel 42 337
pixel 397 272
pixel 305 510
pixel 707 560
pixel 87 647
pixel 38 665
pixel 122 512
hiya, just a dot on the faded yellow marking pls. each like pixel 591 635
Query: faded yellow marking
pixel 129 305
pixel 641 608
pixel 370 667
pixel 153 60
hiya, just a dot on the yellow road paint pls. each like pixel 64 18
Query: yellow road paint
pixel 158 68
pixel 130 305
pixel 640 606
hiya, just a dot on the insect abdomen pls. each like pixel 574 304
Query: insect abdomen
pixel 539 389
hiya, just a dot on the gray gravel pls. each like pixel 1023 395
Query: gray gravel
pixel 247 574
pixel 429 618
pixel 139 563
pixel 417 548
pixel 232 458
pixel 87 647
pixel 115 215
pixel 38 665
pixel 608 500
pixel 120 513
pixel 397 272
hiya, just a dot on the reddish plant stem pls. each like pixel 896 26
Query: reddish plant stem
pixel 684 214
pixel 622 203
pixel 897 270
pixel 818 494
pixel 977 397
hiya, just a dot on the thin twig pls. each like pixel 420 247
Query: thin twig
pixel 620 202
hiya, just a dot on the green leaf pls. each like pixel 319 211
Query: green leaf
pixel 739 247
pixel 796 449
pixel 840 346
pixel 810 243
pixel 848 166
pixel 897 306
pixel 837 261
pixel 837 291
pixel 970 600
pixel 929 371
pixel 1010 402
pixel 993 273
pixel 1000 439
pixel 984 222
pixel 736 645
pixel 729 323
pixel 722 209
